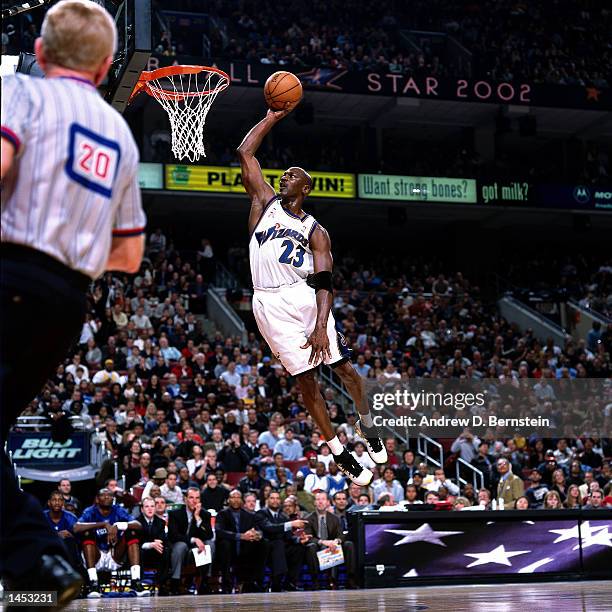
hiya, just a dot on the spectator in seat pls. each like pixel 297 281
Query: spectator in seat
pixel 440 480
pixel 484 499
pixel 340 500
pixel 589 456
pixel 605 476
pixel 552 501
pixel 563 454
pixel 337 480
pixel 311 466
pixel 548 468
pixel 154 543
pixel 522 503
pixel 284 552
pixel 388 484
pixel 108 375
pixel 573 499
pixel 317 481
pixel 407 468
pixel 108 534
pixel 290 446
pixel 305 500
pixel 184 481
pixel 269 437
pixel 595 501
pixel 213 496
pixel 510 487
pixel 325 530
pixel 239 544
pixel 484 462
pixel 252 481
pixel 188 527
pixel 63 522
pixel 359 452
pixel 537 491
pixel 170 491
pixel 64 486
pixel 233 456
pixel 466 445
pixel 393 455
pixel 270 473
pixel 161 510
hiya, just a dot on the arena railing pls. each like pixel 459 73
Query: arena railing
pixel 223 314
pixel 423 444
pixel 476 474
pixel 346 401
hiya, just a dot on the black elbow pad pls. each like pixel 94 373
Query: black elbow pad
pixel 320 280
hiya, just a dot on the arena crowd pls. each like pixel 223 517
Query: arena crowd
pixel 210 427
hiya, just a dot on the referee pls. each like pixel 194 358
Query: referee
pixel 71 209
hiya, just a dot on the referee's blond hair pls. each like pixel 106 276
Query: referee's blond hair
pixel 78 34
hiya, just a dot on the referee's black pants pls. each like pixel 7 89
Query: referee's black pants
pixel 42 310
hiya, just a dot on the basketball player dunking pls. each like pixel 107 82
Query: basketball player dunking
pixel 291 266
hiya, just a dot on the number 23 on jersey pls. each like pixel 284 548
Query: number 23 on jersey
pixel 92 160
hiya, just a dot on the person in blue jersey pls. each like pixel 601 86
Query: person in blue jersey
pixel 62 522
pixel 109 532
pixel 291 267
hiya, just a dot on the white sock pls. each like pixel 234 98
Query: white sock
pixel 366 419
pixel 93 574
pixel 135 571
pixel 335 446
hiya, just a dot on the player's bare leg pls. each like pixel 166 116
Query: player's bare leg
pixel 92 555
pixel 365 427
pixel 318 410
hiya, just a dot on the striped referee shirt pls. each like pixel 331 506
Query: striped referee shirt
pixel 74 182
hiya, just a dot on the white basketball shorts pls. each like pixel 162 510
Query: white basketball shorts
pixel 286 317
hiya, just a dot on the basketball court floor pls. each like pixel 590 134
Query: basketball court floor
pixel 543 597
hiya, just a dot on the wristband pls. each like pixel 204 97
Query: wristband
pixel 121 525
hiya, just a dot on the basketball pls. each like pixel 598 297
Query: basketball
pixel 281 88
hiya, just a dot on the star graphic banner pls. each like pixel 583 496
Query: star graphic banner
pixel 453 546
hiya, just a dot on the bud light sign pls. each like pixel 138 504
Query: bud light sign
pixel 38 450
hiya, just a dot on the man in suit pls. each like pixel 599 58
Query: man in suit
pixel 285 553
pixel 188 528
pixel 154 543
pixel 239 545
pixel 325 530
pixel 510 487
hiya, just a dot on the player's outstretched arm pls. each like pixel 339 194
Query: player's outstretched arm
pixel 259 190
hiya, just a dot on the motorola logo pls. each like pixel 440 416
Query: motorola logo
pixel 582 194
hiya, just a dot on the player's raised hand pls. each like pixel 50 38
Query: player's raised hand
pixel 319 343
pixel 280 114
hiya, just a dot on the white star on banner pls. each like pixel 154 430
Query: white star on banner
pixel 601 538
pixel 529 569
pixel 423 534
pixel 574 532
pixel 498 555
pixel 411 574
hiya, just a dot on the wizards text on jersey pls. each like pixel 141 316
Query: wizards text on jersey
pixel 276 231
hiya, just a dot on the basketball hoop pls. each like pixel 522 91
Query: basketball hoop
pixel 186 94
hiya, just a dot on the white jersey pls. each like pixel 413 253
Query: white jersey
pixel 280 251
pixel 74 182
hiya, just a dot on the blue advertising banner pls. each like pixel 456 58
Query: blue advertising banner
pixel 38 450
pixel 577 197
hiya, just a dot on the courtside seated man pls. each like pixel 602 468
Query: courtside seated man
pixel 291 267
pixel 71 209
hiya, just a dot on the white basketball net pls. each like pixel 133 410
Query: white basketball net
pixel 187 98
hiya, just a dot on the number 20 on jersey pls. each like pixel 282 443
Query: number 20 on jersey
pixel 92 160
